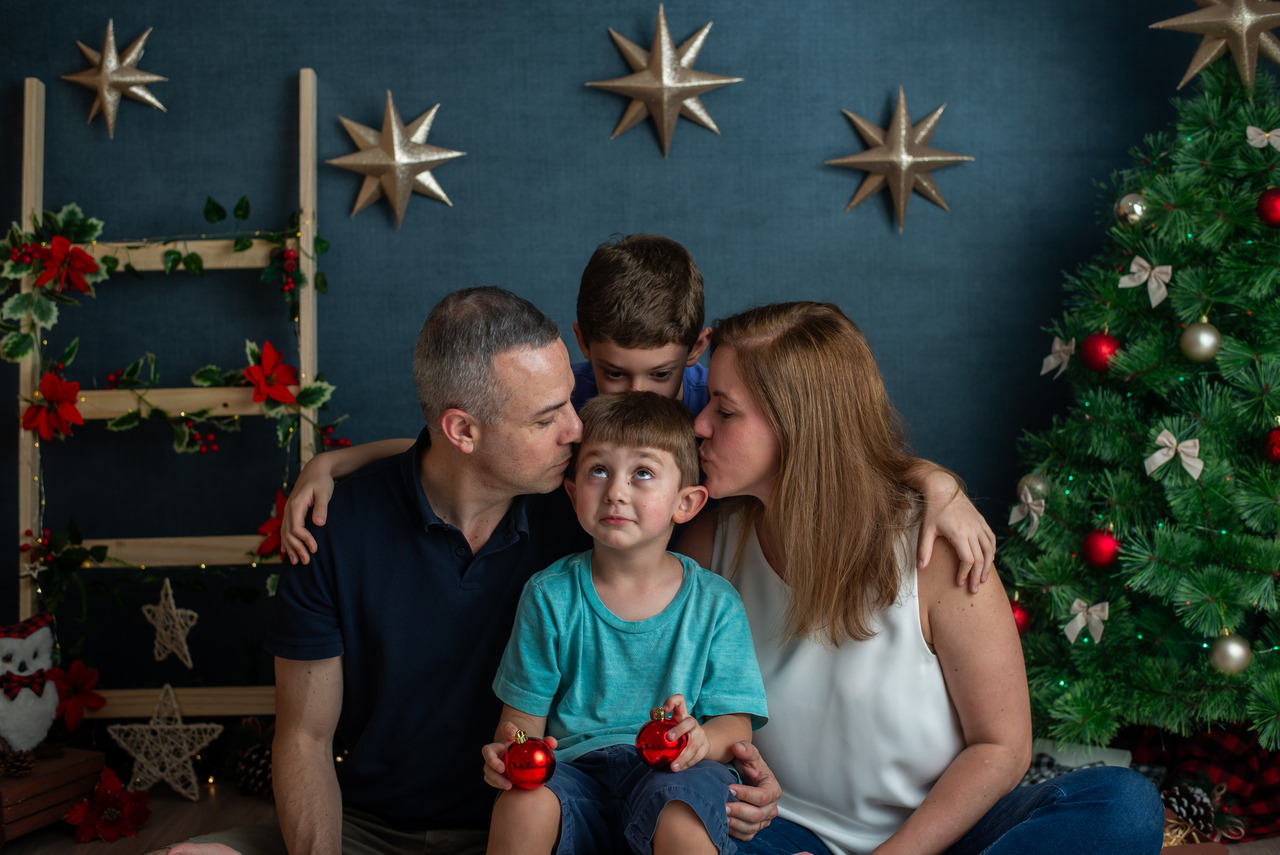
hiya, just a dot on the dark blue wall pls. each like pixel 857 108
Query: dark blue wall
pixel 1047 97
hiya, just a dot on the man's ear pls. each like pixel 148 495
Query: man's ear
pixel 582 343
pixel 460 429
pixel 692 500
pixel 699 346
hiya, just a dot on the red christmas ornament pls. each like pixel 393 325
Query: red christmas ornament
pixel 652 743
pixel 1271 445
pixel 1100 548
pixel 529 762
pixel 1097 351
pixel 1269 207
pixel 1021 617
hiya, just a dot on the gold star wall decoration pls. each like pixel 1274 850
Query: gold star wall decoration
pixel 900 157
pixel 663 83
pixel 163 747
pixel 1241 26
pixel 115 74
pixel 172 625
pixel 395 162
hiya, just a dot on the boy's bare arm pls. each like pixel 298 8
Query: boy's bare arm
pixel 723 731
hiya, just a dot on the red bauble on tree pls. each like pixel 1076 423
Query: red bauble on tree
pixel 1100 547
pixel 1021 616
pixel 529 762
pixel 652 743
pixel 1271 445
pixel 1097 351
pixel 1269 207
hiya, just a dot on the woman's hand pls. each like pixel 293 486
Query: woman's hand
pixel 757 796
pixel 949 513
pixel 699 745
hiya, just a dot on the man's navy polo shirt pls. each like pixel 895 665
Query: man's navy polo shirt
pixel 421 624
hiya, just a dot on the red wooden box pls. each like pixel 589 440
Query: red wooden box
pixel 43 797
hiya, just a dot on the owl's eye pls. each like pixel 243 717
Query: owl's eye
pixel 8 657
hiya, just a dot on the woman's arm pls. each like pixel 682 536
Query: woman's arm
pixel 314 487
pixel 981 659
pixel 949 513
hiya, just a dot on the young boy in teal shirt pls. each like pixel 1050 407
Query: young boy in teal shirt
pixel 603 635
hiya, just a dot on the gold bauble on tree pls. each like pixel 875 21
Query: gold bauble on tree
pixel 1131 208
pixel 1035 484
pixel 1230 653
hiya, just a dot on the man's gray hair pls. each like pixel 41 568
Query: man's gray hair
pixel 453 363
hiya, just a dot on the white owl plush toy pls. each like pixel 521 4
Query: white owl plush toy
pixel 28 697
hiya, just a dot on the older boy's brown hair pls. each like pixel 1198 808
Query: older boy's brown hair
pixel 641 291
pixel 641 420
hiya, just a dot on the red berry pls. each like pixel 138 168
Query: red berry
pixel 213 447
pixel 328 430
pixel 327 442
pixel 346 443
pixel 290 266
pixel 290 254
pixel 26 547
pixel 28 533
pixel 61 366
pixel 204 449
pixel 25 258
pixel 46 532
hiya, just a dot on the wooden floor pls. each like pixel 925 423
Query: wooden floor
pixel 173 818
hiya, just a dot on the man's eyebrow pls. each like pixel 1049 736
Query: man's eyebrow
pixel 548 410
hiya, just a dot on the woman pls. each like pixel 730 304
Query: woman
pixel 899 715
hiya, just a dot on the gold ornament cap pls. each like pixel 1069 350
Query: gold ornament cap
pixel 659 714
pixel 521 739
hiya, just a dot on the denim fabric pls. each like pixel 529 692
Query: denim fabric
pixel 610 800
pixel 783 837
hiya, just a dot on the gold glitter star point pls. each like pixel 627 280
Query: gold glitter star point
pixel 900 158
pixel 163 747
pixel 1241 26
pixel 114 75
pixel 396 162
pixel 663 83
pixel 172 625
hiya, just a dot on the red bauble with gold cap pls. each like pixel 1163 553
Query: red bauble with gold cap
pixel 1100 548
pixel 1271 445
pixel 529 762
pixel 1021 616
pixel 652 743
pixel 1097 350
pixel 1269 207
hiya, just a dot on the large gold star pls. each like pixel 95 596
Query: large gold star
pixel 900 157
pixel 663 83
pixel 172 625
pixel 116 74
pixel 1239 25
pixel 395 161
pixel 163 747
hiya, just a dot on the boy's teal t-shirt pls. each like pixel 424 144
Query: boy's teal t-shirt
pixel 595 676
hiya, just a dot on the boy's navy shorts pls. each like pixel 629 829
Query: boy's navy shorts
pixel 610 800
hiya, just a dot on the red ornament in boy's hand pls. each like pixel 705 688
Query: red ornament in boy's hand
pixel 529 762
pixel 652 742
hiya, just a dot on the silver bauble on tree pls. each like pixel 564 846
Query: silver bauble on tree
pixel 1230 653
pixel 1201 341
pixel 1035 484
pixel 1131 208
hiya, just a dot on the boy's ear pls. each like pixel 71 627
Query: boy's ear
pixel 582 343
pixel 569 488
pixel 460 429
pixel 692 500
pixel 699 346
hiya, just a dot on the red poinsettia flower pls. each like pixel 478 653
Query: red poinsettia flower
pixel 271 378
pixel 58 411
pixel 62 261
pixel 110 813
pixel 271 528
pixel 75 692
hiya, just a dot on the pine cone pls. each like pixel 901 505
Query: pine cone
pixel 1191 804
pixel 15 764
pixel 253 771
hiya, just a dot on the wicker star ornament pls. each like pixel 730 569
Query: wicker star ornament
pixel 163 747
pixel 114 75
pixel 663 83
pixel 172 625
pixel 1241 26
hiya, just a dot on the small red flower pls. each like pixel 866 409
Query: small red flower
pixel 271 378
pixel 271 528
pixel 75 692
pixel 58 412
pixel 62 261
pixel 110 813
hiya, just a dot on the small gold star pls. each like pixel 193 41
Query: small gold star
pixel 116 74
pixel 1242 26
pixel 172 625
pixel 663 83
pixel 395 162
pixel 900 158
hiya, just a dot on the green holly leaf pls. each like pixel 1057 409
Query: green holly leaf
pixel 109 263
pixel 15 345
pixel 209 375
pixel 241 244
pixel 130 371
pixel 172 258
pixel 129 420
pixel 98 553
pixel 314 395
pixel 252 352
pixel 234 377
pixel 321 245
pixel 271 273
pixel 213 212
pixel 18 306
pixel 274 409
pixel 43 310
pixel 285 428
pixel 69 355
pixel 132 271
pixel 182 442
pixel 273 582
pixel 241 210
pixel 322 283
pixel 294 219
pixel 194 263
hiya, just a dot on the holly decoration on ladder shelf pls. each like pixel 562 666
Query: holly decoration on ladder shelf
pixel 1160 521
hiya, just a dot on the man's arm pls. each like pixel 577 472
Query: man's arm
pixel 308 801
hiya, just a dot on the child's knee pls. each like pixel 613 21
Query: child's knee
pixel 520 804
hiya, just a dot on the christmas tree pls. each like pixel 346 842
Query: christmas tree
pixel 1145 548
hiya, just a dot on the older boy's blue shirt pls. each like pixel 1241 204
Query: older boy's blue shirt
pixel 694 391
pixel 595 676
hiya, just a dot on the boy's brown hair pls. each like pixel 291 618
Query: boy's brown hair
pixel 641 420
pixel 641 291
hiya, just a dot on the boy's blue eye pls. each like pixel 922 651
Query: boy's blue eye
pixel 613 375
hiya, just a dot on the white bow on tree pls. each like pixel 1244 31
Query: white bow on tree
pixel 1059 356
pixel 1258 138
pixel 1028 507
pixel 1187 450
pixel 1140 270
pixel 1093 615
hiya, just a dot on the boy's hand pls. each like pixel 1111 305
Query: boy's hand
pixel 949 513
pixel 495 753
pixel 699 745
pixel 312 490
